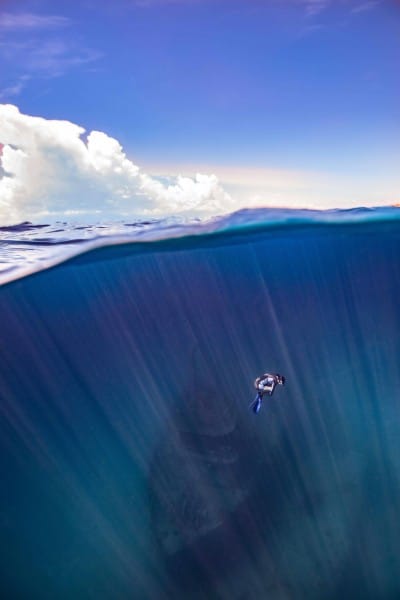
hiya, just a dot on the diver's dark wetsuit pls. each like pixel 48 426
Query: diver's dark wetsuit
pixel 265 384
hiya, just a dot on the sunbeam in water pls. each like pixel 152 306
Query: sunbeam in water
pixel 131 464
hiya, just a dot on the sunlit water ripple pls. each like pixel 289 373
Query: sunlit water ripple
pixel 27 248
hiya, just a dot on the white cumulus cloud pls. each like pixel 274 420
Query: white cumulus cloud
pixel 49 171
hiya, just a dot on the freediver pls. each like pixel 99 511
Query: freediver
pixel 265 384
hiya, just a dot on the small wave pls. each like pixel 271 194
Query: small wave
pixel 25 226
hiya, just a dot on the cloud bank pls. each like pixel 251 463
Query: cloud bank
pixel 50 170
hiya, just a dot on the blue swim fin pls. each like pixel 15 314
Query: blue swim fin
pixel 256 404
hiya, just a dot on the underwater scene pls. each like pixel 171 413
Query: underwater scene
pixel 132 465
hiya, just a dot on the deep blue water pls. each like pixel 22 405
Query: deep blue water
pixel 131 466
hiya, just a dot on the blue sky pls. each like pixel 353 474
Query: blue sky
pixel 256 90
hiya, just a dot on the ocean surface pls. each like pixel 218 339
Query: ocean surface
pixel 131 466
